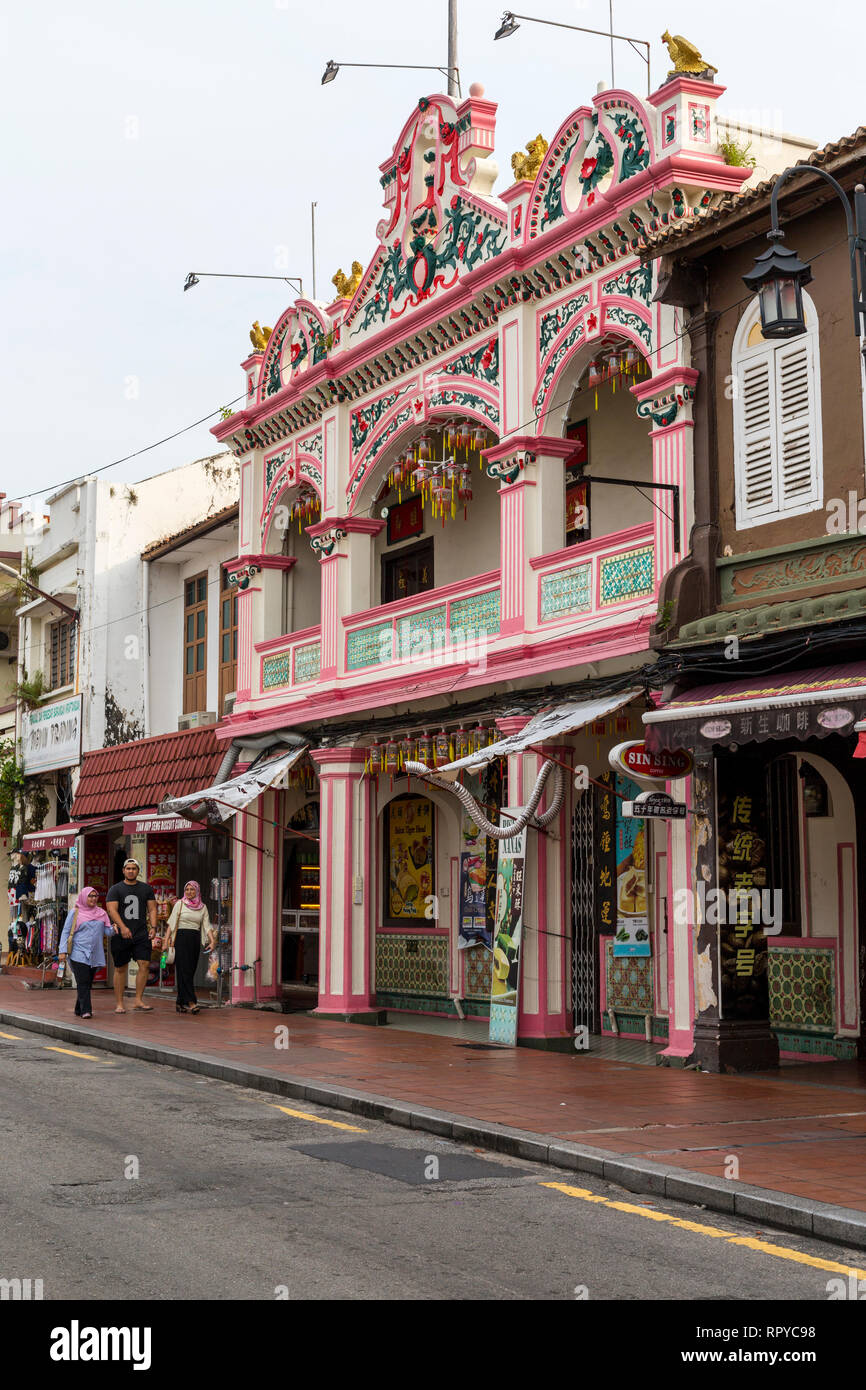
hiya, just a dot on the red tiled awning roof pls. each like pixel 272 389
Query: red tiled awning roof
pixel 136 776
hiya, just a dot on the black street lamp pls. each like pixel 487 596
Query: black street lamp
pixel 192 279
pixel 453 73
pixel 509 26
pixel 779 275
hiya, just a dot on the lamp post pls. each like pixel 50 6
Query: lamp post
pixel 509 26
pixel 453 74
pixel 778 275
pixel 195 275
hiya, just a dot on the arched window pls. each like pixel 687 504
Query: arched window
pixel 777 422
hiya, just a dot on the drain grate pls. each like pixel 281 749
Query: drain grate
pixel 411 1166
pixel 483 1047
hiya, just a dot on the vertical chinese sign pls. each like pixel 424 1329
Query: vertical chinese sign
pixel 743 869
pixel 504 991
pixel 605 855
pixel 632 918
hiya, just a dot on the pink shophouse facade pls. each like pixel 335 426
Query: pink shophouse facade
pixel 513 340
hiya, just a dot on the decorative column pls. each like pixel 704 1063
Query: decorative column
pixel 258 580
pixel 343 545
pixel 347 859
pixel 532 520
pixel 666 400
pixel 542 1019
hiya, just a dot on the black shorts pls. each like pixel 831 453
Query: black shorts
pixel 123 950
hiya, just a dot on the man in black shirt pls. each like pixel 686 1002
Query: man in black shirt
pixel 132 908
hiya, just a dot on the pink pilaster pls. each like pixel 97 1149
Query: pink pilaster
pixel 346 879
pixel 665 401
pixel 331 626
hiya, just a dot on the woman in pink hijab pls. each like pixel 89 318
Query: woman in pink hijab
pixel 189 929
pixel 82 941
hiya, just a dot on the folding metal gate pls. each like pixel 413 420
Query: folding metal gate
pixel 583 924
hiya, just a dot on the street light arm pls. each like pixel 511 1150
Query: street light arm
pixel 601 33
pixel 822 173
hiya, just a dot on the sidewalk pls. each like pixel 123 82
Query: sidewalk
pixel 800 1131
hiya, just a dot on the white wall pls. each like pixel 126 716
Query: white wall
pixel 166 608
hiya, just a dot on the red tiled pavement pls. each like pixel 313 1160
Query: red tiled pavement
pixel 801 1130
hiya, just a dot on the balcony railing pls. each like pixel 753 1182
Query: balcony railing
pixel 440 625
pixel 290 661
pixel 596 576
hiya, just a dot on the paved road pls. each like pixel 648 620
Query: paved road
pixel 229 1202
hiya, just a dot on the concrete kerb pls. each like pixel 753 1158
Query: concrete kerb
pixel 787 1212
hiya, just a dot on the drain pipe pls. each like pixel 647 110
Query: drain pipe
pixel 257 742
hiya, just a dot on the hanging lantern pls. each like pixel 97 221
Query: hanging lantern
pixel 478 738
pixel 409 749
pixel 595 374
pixel 464 489
pixel 441 494
pixel 480 437
pixel 425 453
pixel 464 436
pixel 424 749
pixel 392 757
pixel 442 748
pixel 451 470
pixel 373 764
pixel 461 743
pixel 421 476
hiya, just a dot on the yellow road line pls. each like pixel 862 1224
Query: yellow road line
pixel 317 1119
pixel 13 1036
pixel 781 1252
pixel 89 1055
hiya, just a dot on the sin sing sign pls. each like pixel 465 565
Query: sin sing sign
pixel 635 760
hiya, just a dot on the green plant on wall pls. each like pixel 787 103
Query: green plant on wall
pixel 11 788
pixel 29 576
pixel 736 155
pixel 30 689
pixel 24 802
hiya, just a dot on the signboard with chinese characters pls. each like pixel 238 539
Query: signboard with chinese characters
pixel 51 736
pixel 605 855
pixel 472 921
pixel 743 867
pixel 509 933
pixel 405 520
pixel 632 913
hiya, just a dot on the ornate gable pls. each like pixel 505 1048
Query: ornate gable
pixel 441 223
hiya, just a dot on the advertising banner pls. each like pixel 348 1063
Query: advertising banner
pixel 508 935
pixel 472 921
pixel 632 911
pixel 51 736
pixel 410 858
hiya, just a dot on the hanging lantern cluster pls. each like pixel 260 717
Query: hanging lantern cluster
pixel 618 366
pixel 390 756
pixel 305 508
pixel 302 777
pixel 445 483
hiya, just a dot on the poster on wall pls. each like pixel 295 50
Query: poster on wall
pixel 472 920
pixel 410 859
pixel 632 911
pixel 504 990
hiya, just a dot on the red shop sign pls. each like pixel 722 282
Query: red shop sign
pixel 635 760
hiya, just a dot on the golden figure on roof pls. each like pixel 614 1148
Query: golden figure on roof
pixel 526 166
pixel 259 336
pixel 346 285
pixel 684 56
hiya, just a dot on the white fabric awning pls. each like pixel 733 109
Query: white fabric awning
pixel 551 724
pixel 226 798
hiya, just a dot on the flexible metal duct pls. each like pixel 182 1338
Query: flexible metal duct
pixel 498 832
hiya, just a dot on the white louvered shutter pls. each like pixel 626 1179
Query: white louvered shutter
pixel 798 471
pixel 757 474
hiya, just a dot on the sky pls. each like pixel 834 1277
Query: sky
pixel 145 140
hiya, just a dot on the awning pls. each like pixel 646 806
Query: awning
pixel 226 798
pixel 801 704
pixel 544 728
pixel 61 836
pixel 153 824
